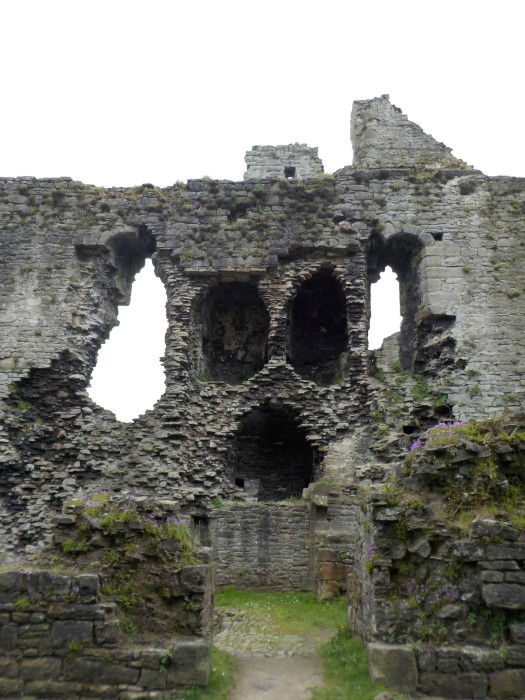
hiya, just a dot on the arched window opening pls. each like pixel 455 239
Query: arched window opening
pixel 235 327
pixel 319 329
pixel 402 254
pixel 385 316
pixel 272 458
pixel 128 377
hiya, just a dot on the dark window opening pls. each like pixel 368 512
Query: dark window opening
pixel 402 254
pixel 239 483
pixel 289 171
pixel 235 327
pixel 272 457
pixel 319 332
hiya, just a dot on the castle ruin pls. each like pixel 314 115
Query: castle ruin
pixel 279 434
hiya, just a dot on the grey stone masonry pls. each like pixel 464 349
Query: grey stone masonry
pixel 135 616
pixel 294 162
pixel 383 137
pixel 441 590
pixel 58 640
pixel 271 389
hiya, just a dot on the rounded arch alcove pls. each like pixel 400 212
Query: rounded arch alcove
pixel 234 327
pixel 318 328
pixel 272 459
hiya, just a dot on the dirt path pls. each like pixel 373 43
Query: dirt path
pixel 274 678
pixel 270 666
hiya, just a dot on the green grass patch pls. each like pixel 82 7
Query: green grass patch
pixel 346 670
pixel 288 613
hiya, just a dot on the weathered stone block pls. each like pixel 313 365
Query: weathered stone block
pixel 492 576
pixel 13 581
pixel 421 546
pixel 65 631
pixel 150 679
pixel 8 667
pixel 11 688
pixel 190 663
pixel 41 668
pixel 334 571
pixel 510 596
pixel 516 655
pixel 448 664
pixel 195 578
pixel 517 632
pixel 85 670
pixel 426 659
pixel 479 659
pixel 88 586
pixel 75 611
pixel 107 632
pixel 50 689
pixel 499 565
pixel 457 685
pixel 8 637
pixel 393 665
pixel 505 551
pixel 59 585
pixel 508 684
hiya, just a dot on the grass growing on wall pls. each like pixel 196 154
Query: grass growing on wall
pixel 344 658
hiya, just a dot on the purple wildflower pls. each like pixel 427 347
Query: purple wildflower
pixel 415 445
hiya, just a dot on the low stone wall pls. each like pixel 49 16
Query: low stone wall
pixel 303 545
pixel 262 546
pixel 449 671
pixel 132 615
pixel 439 585
pixel 57 639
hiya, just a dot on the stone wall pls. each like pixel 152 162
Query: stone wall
pixel 294 162
pixel 382 136
pixel 57 639
pixel 134 615
pixel 263 547
pixel 78 255
pixel 287 546
pixel 442 564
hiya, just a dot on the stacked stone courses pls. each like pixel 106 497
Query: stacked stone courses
pixel 268 306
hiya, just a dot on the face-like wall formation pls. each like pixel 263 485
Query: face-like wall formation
pixel 269 382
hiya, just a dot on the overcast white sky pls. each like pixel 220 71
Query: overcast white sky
pixel 122 92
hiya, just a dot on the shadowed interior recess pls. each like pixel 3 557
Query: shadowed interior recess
pixel 319 336
pixel 235 332
pixel 273 459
